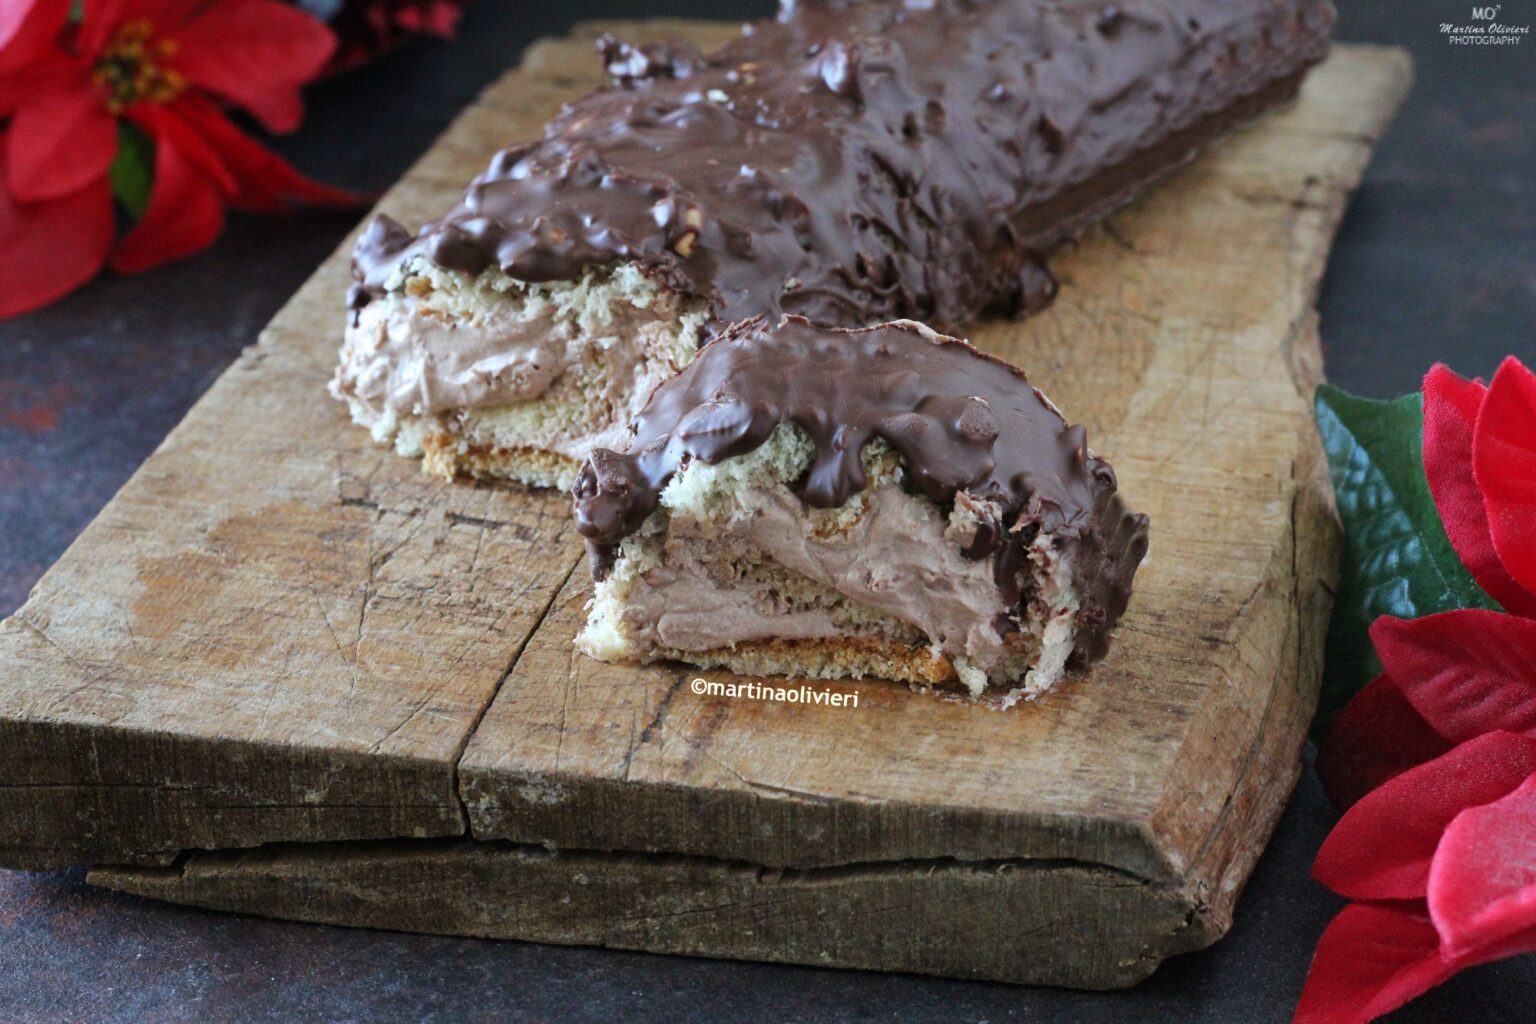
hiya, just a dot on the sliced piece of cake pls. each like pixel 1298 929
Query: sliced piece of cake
pixel 852 163
pixel 494 377
pixel 883 501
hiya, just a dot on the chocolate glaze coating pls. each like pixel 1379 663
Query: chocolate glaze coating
pixel 969 427
pixel 863 162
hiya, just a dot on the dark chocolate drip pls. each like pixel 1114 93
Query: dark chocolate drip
pixel 968 427
pixel 862 162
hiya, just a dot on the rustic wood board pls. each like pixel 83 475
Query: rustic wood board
pixel 278 633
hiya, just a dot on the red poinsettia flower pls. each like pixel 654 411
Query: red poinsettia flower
pixel 1480 458
pixel 1435 760
pixel 1467 672
pixel 1443 860
pixel 1373 959
pixel 1449 677
pixel 368 28
pixel 1482 881
pixel 1382 847
pixel 166 67
pixel 1459 674
pixel 1377 736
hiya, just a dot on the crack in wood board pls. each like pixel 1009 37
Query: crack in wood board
pixel 699 906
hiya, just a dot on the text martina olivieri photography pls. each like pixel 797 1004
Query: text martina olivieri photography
pixel 801 694
pixel 1485 28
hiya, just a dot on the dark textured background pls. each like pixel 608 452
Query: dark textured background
pixel 1436 260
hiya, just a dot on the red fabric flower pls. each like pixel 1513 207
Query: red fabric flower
pixel 1482 883
pixel 1480 458
pixel 1370 961
pixel 24 27
pixel 1373 959
pixel 1441 854
pixel 1457 675
pixel 368 28
pixel 1377 736
pixel 162 65
pixel 1381 849
pixel 1449 678
pixel 1467 672
pixel 1445 857
pixel 1504 464
pixel 1438 842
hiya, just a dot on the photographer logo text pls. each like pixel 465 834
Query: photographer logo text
pixel 1484 28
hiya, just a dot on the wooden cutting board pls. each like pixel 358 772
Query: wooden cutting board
pixel 278 635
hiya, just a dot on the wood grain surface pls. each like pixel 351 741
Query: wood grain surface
pixel 280 633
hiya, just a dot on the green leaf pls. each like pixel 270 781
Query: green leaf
pixel 1397 559
pixel 133 169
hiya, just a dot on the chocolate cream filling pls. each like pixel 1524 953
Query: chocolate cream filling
pixel 442 349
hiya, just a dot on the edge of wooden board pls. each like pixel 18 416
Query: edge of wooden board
pixel 1032 922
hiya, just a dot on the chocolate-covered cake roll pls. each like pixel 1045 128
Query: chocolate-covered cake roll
pixel 849 162
pixel 829 502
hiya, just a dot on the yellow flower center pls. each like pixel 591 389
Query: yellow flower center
pixel 129 69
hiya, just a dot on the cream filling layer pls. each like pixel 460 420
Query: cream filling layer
pixel 402 358
pixel 562 366
pixel 733 557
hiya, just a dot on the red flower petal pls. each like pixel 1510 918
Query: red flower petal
pixel 1523 941
pixel 186 213
pixel 1451 404
pixel 53 247
pixel 100 20
pixel 1468 672
pixel 1482 884
pixel 255 53
pixel 264 183
pixel 1382 847
pixel 27 29
pixel 1504 462
pixel 60 142
pixel 52 71
pixel 176 126
pixel 441 18
pixel 1370 961
pixel 1377 735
